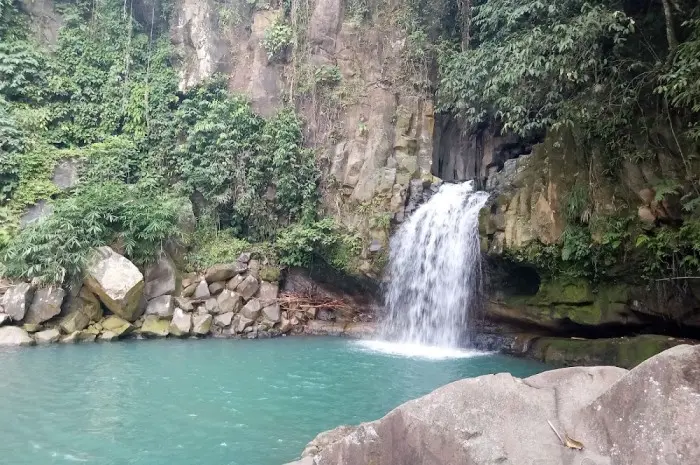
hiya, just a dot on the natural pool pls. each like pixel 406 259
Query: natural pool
pixel 212 402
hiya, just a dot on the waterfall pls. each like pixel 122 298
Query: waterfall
pixel 434 270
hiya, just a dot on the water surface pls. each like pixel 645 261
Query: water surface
pixel 211 402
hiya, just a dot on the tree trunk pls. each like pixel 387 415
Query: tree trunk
pixel 465 13
pixel 670 28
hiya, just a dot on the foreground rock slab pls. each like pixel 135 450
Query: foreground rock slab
pixel 649 415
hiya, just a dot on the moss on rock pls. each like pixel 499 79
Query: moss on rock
pixel 623 352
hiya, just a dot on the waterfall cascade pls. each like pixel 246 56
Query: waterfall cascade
pixel 435 270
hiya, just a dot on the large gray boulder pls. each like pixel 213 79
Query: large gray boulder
pixel 251 310
pixel 223 320
pixel 116 281
pixel 153 326
pixel 248 287
pixel 650 415
pixel 162 306
pixel 268 292
pixel 161 278
pixel 17 299
pixel 224 271
pixel 81 309
pixel 201 291
pixel 181 324
pixel 229 301
pixel 47 336
pixel 14 336
pixel 46 305
pixel 201 323
pixel 116 325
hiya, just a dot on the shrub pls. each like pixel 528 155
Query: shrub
pixel 54 250
pixel 277 38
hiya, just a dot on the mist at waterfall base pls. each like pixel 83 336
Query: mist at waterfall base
pixel 434 277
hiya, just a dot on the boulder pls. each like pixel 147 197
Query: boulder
pixel 31 327
pixel 211 305
pixel 648 415
pixel 79 336
pixel 216 288
pixel 254 268
pixel 651 416
pixel 14 336
pixel 201 324
pixel 229 301
pixel 272 312
pixel 248 287
pixel 181 324
pixel 162 306
pixel 270 273
pixel 268 291
pixel 66 173
pixel 251 310
pixel 161 278
pixel 81 309
pixel 154 326
pixel 189 290
pixel 201 291
pixel 625 352
pixel 117 325
pixel 108 336
pixel 244 257
pixel 240 324
pixel 224 271
pixel 116 281
pixel 45 305
pixel 185 304
pixel 223 320
pixel 234 282
pixel 17 299
pixel 48 336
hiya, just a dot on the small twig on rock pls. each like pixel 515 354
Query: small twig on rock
pixel 556 432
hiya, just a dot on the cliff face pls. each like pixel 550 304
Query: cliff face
pixel 372 128
pixel 568 244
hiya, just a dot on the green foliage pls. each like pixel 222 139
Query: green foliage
pixel 357 11
pixel 671 252
pixel 328 75
pixel 681 81
pixel 54 250
pixel 107 96
pixel 302 243
pixel 577 205
pixel 211 246
pixel 573 46
pixel 278 37
pixel 254 173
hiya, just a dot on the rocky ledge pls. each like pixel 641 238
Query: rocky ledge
pixel 242 299
pixel 569 416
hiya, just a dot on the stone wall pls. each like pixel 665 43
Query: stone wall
pixel 116 300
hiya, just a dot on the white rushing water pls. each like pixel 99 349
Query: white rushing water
pixel 435 271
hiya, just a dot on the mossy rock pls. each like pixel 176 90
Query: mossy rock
pixel 623 352
pixel 270 274
pixel 574 292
